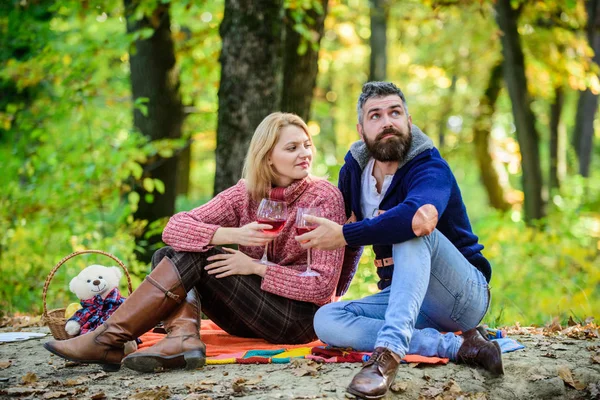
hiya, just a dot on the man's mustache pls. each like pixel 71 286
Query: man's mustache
pixel 388 131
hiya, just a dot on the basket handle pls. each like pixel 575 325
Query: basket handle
pixel 67 258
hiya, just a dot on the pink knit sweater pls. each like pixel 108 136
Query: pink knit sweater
pixel 193 230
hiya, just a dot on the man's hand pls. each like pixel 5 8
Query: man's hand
pixel 234 263
pixel 327 236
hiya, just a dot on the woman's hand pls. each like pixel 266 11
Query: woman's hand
pixel 233 263
pixel 248 235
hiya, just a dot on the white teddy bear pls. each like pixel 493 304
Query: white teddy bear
pixel 97 288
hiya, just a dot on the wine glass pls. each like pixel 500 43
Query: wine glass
pixel 274 213
pixel 303 226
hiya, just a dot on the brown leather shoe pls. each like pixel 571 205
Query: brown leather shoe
pixel 478 351
pixel 376 375
pixel 181 348
pixel 158 295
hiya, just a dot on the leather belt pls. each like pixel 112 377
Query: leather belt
pixel 383 262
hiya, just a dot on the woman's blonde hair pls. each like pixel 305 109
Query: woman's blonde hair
pixel 259 175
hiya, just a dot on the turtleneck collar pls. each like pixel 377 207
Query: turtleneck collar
pixel 290 193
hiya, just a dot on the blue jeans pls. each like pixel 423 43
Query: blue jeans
pixel 434 289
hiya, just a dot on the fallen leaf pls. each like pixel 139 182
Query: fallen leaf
pixel 55 395
pixel 5 364
pixel 239 386
pixel 98 396
pixel 71 364
pixel 596 359
pixel 452 387
pixel 565 374
pixel 303 367
pixel 204 386
pixel 29 378
pixel 196 396
pixel 159 393
pixel 399 387
pixel 571 322
pixel 98 375
pixel 77 381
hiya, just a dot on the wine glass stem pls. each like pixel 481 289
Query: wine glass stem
pixel 264 257
pixel 308 260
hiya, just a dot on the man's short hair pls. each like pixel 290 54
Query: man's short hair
pixel 377 89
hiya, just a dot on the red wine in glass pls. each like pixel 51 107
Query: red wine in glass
pixel 274 213
pixel 303 226
pixel 301 230
pixel 276 224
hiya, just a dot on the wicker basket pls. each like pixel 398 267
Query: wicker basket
pixel 55 319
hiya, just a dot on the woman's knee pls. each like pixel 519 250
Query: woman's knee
pixel 160 254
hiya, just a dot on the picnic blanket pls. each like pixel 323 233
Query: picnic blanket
pixel 223 348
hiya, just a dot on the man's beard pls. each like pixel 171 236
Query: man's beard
pixel 392 148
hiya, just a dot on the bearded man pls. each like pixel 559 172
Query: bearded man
pixel 402 198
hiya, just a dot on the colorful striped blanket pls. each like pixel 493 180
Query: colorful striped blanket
pixel 223 348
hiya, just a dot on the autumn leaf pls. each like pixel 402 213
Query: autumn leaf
pixel 55 395
pixel 5 364
pixel 399 387
pixel 159 393
pixel 239 386
pixel 452 387
pixel 565 374
pixel 77 381
pixel 304 367
pixel 98 396
pixel 29 378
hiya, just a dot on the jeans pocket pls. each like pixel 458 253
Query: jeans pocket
pixel 471 304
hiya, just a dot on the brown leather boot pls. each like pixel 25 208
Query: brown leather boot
pixel 181 348
pixel 156 298
pixel 478 351
pixel 376 375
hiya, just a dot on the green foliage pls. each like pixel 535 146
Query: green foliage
pixel 70 158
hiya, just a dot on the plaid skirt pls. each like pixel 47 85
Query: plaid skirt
pixel 238 305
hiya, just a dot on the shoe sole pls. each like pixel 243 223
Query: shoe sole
pixel 105 367
pixel 155 362
pixel 363 396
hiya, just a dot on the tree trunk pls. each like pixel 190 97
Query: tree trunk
pixel 527 135
pixel 378 40
pixel 481 137
pixel 251 75
pixel 154 76
pixel 556 144
pixel 300 70
pixel 183 171
pixel 587 106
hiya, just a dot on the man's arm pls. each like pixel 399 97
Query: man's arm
pixel 427 198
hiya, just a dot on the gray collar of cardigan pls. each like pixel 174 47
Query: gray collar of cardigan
pixel 420 143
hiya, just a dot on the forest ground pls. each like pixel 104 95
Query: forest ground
pixel 557 363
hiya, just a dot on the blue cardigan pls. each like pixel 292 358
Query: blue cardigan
pixel 424 178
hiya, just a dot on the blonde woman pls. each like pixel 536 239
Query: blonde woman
pixel 244 297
